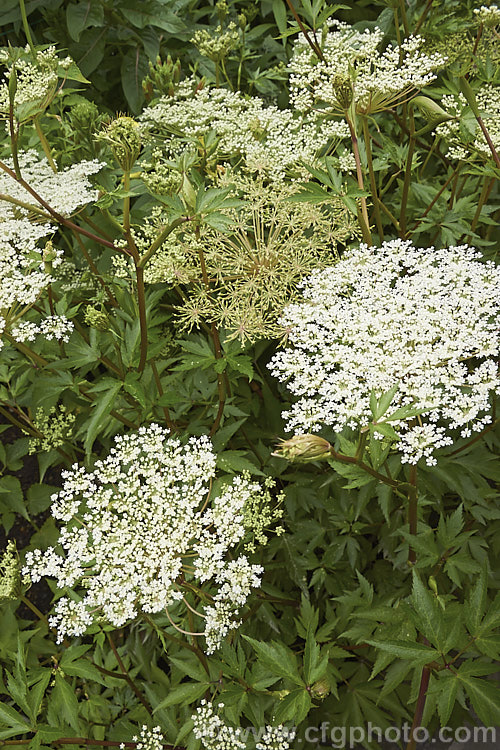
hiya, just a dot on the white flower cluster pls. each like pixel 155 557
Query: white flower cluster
pixel 139 526
pixel 64 191
pixel 488 15
pixel 149 739
pixel 423 318
pixel 22 274
pixel 215 734
pixel 276 738
pixel 353 67
pixel 36 80
pixel 347 162
pixel 488 101
pixel 53 327
pixel 269 139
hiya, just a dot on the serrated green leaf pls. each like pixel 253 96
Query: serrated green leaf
pixel 475 604
pixel 279 659
pixel 63 703
pixel 15 722
pixel 394 676
pixel 101 408
pixel 295 705
pixel 184 694
pixel 84 669
pixel 385 401
pixel 429 613
pixel 484 698
pixel 384 429
pixel 417 653
pixel 134 69
pixel 36 694
pixel 448 686
pixel 236 461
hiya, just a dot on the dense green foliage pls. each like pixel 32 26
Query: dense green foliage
pixel 379 603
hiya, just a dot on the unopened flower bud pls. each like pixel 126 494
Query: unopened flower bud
pixel 48 256
pixel 320 689
pixel 256 129
pixel 433 584
pixel 124 136
pixel 304 448
pixel 343 92
pixel 96 318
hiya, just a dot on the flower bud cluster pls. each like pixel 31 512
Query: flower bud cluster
pixel 488 15
pixel 10 570
pixel 218 45
pixel 124 137
pixel 141 534
pixel 55 428
pixel 418 317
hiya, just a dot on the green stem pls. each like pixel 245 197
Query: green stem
pixel 126 203
pixel 34 609
pixel 373 184
pixel 20 426
pixel 172 638
pixel 412 510
pixel 27 30
pixel 471 101
pixel 28 206
pixel 407 178
pixel 159 388
pixel 485 194
pixel 391 216
pixel 454 187
pixel 361 446
pixel 93 268
pixel 364 220
pixel 433 201
pixel 45 144
pixel 353 460
pixel 429 155
pixel 37 358
pixel 14 132
pixel 423 15
pixel 161 239
pixel 141 302
pixel 315 47
pixel 404 17
pixel 127 676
